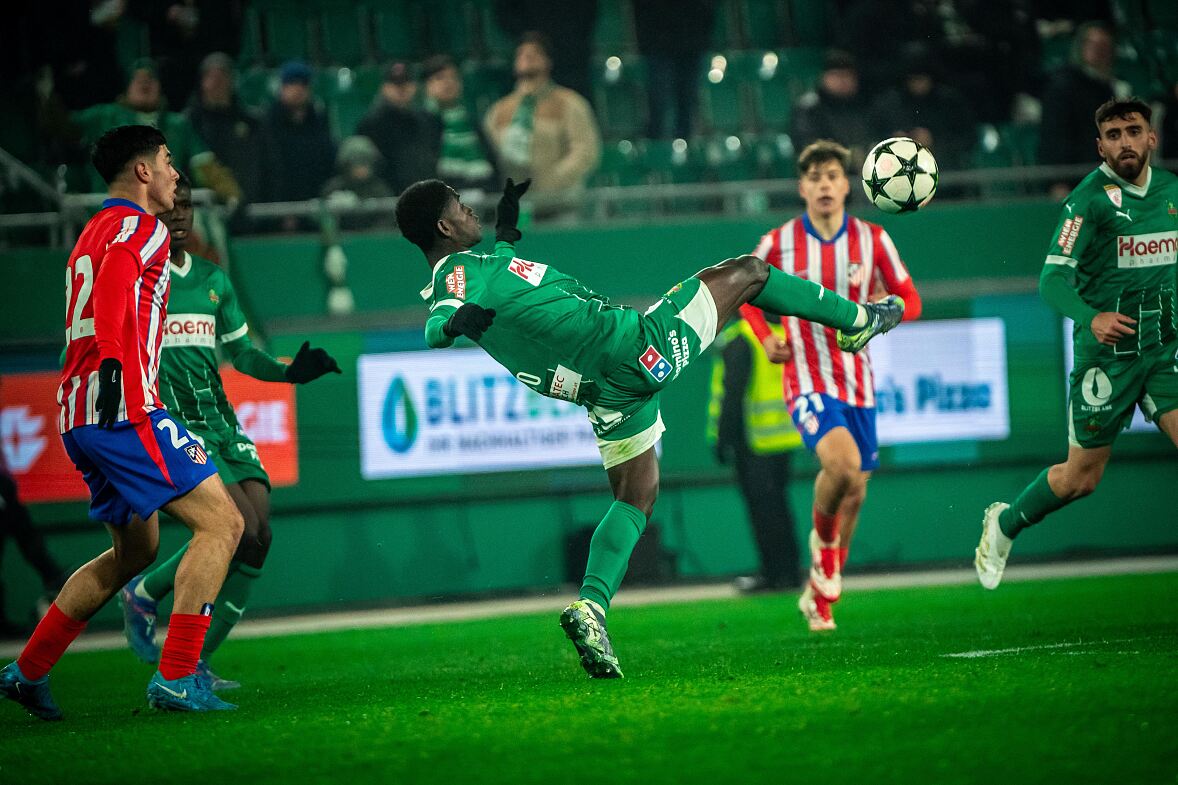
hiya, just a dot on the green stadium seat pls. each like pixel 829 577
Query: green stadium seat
pixel 672 160
pixel 620 97
pixel 726 30
pixel 452 25
pixel 395 26
pixel 730 158
pixel 348 94
pixel 769 78
pixel 620 165
pixel 614 31
pixel 285 30
pixel 494 43
pixel 250 53
pixel 721 97
pixel 808 23
pixel 485 83
pixel 344 31
pixel 763 23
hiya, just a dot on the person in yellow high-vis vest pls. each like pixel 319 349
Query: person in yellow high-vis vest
pixel 750 427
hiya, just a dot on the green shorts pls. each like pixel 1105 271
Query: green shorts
pixel 1104 393
pixel 673 332
pixel 235 456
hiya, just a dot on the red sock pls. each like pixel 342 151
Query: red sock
pixel 827 526
pixel 186 636
pixel 49 641
pixel 843 557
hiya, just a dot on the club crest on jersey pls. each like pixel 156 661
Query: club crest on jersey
pixel 532 272
pixel 855 274
pixel 197 454
pixel 213 298
pixel 456 281
pixel 1114 193
pixel 655 364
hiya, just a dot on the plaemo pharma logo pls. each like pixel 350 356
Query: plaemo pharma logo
pixel 398 419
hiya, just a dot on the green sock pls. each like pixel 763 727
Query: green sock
pixel 609 552
pixel 157 583
pixel 790 295
pixel 231 602
pixel 1031 506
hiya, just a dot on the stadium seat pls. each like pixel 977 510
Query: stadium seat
pixel 285 30
pixel 344 32
pixel 395 26
pixel 730 158
pixel 721 97
pixel 250 53
pixel 672 160
pixel 762 23
pixel 620 97
pixel 620 165
pixel 484 84
pixel 493 41
pixel 769 78
pixel 451 25
pixel 347 93
pixel 725 33
pixel 614 31
pixel 808 23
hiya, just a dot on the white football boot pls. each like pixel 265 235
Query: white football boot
pixel 994 548
pixel 829 586
pixel 815 610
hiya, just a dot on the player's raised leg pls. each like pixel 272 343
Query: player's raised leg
pixel 747 279
pixel 635 485
pixel 1054 488
pixel 26 680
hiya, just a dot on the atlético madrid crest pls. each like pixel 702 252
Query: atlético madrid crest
pixel 196 454
pixel 1114 194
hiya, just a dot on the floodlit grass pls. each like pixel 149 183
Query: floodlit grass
pixel 716 692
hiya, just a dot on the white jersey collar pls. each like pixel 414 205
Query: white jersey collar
pixel 428 291
pixel 1137 190
pixel 183 269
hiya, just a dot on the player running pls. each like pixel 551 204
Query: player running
pixel 1118 239
pixel 135 457
pixel 565 341
pixel 204 312
pixel 830 390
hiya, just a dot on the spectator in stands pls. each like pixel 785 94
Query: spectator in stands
pixel 466 157
pixel 142 104
pixel 571 24
pixel 232 131
pixel 408 138
pixel 305 150
pixel 927 110
pixel 835 109
pixel 673 36
pixel 356 180
pixel 1072 94
pixel 544 132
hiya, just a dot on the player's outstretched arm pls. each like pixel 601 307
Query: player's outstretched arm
pixel 309 364
pixel 507 214
pixel 470 319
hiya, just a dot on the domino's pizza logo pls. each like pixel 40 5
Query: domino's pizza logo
pixel 655 364
pixel 197 454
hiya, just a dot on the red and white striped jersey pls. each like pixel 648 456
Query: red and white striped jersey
pixel 134 247
pixel 849 265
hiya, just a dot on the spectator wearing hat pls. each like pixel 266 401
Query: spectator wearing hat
pixel 356 180
pixel 232 131
pixel 142 103
pixel 407 138
pixel 466 157
pixel 924 108
pixel 297 126
pixel 544 132
pixel 835 109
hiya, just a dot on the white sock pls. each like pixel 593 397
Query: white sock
pixel 861 319
pixel 142 594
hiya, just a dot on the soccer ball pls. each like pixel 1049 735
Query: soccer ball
pixel 900 175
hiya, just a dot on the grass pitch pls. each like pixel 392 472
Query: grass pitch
pixel 1067 681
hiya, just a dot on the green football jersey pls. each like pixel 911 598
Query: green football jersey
pixel 551 331
pixel 202 311
pixel 1122 242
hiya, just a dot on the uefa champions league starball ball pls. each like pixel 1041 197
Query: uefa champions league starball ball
pixel 900 175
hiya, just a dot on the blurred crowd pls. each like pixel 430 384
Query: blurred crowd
pixel 937 71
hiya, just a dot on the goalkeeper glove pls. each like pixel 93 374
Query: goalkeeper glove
pixel 110 392
pixel 309 364
pixel 507 214
pixel 471 320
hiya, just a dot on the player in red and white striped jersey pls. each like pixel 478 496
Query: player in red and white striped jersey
pixel 134 456
pixel 831 392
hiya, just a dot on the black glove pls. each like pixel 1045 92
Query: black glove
pixel 471 320
pixel 110 392
pixel 309 364
pixel 507 214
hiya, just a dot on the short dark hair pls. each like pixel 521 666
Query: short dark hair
pixel 537 38
pixel 1121 108
pixel 419 209
pixel 437 64
pixel 119 146
pixel 822 151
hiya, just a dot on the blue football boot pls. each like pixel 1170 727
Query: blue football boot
pixel 189 693
pixel 139 622
pixel 216 683
pixel 33 695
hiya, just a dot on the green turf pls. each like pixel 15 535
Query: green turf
pixel 716 692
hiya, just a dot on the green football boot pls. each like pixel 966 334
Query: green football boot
pixel 584 623
pixel 881 317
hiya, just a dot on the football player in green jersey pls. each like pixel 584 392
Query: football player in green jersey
pixel 565 341
pixel 203 312
pixel 1111 268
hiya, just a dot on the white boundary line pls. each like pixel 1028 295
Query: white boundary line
pixel 490 609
